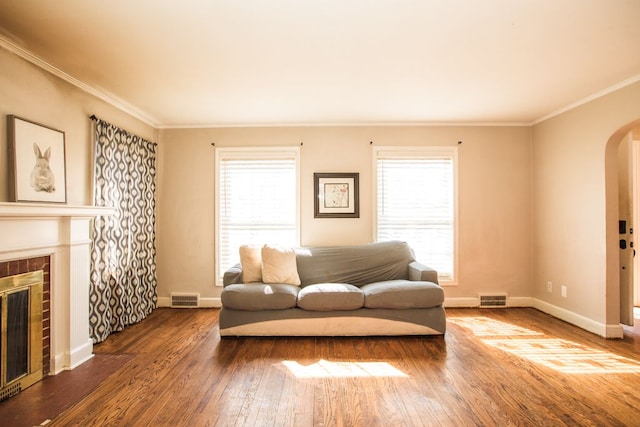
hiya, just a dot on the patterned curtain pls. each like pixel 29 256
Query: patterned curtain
pixel 123 254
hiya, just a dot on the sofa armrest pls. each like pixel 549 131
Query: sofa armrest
pixel 232 275
pixel 421 272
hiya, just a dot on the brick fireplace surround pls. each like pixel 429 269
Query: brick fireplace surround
pixel 55 239
pixel 11 268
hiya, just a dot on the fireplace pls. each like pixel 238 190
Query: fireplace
pixel 21 331
pixel 53 242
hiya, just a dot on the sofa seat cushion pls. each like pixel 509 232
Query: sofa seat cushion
pixel 330 297
pixel 260 296
pixel 402 294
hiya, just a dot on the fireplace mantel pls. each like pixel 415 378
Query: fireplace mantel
pixel 63 233
pixel 38 210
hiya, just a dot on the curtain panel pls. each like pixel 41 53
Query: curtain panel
pixel 123 282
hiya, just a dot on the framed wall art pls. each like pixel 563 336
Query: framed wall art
pixel 336 195
pixel 37 169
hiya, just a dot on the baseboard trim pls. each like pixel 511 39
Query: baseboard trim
pixel 601 329
pixel 604 330
pixel 520 302
pixel 78 358
pixel 68 361
pixel 466 302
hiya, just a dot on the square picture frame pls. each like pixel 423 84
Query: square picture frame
pixel 336 195
pixel 37 165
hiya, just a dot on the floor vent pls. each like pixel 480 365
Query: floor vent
pixel 493 301
pixel 185 300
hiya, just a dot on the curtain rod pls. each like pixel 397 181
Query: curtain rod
pixel 213 144
pixel 94 118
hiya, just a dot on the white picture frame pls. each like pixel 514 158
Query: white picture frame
pixel 37 162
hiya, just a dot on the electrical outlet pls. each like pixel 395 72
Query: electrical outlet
pixel 549 287
pixel 563 291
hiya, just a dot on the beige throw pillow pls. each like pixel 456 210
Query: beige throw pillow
pixel 279 265
pixel 251 261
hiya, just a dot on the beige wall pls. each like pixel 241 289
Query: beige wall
pixel 575 207
pixel 494 198
pixel 29 92
pixel 535 203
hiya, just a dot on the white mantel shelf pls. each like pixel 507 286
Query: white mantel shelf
pixel 40 210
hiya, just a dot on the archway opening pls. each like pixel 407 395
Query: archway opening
pixel 621 164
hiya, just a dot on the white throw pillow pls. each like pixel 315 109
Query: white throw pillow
pixel 279 265
pixel 251 261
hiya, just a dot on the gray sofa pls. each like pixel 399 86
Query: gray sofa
pixel 373 289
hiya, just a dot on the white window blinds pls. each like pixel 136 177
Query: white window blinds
pixel 257 201
pixel 416 203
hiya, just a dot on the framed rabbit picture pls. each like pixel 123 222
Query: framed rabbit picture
pixel 37 170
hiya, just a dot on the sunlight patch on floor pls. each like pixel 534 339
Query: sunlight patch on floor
pixel 327 369
pixel 561 355
pixel 567 356
pixel 486 327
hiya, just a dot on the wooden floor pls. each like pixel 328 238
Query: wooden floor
pixel 492 368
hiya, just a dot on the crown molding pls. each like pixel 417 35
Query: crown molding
pixel 606 91
pixel 126 107
pixel 103 95
pixel 348 124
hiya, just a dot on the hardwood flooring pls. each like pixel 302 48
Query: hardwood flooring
pixel 48 398
pixel 501 367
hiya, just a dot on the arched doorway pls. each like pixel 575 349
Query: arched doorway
pixel 622 175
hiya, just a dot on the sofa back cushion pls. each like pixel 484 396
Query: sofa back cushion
pixel 357 265
pixel 279 265
pixel 251 262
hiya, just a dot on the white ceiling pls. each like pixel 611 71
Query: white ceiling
pixel 293 62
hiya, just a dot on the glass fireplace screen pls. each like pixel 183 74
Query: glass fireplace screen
pixel 21 332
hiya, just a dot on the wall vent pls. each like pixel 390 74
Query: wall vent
pixel 185 300
pixel 493 300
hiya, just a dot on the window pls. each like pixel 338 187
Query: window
pixel 416 202
pixel 256 200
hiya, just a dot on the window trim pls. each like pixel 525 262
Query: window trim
pixel 242 153
pixel 411 152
